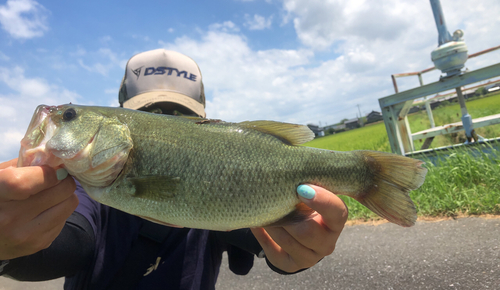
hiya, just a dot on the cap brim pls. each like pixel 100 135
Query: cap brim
pixel 145 99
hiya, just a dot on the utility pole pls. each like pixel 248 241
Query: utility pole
pixel 360 117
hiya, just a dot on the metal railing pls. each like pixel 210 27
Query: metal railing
pixel 395 107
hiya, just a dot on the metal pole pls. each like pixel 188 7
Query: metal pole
pixel 395 84
pixel 444 35
pixel 466 118
pixel 429 113
pixel 360 117
pixel 427 106
pixel 461 101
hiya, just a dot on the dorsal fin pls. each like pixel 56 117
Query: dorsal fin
pixel 292 134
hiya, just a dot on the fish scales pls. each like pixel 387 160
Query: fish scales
pixel 215 175
pixel 222 175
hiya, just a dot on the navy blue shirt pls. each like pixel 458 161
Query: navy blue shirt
pixel 188 258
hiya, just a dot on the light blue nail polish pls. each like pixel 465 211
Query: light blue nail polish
pixel 61 173
pixel 306 191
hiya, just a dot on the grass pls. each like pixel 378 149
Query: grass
pixel 372 137
pixel 451 114
pixel 461 183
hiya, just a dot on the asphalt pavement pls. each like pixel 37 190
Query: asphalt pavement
pixel 452 254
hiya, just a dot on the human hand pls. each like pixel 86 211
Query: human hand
pixel 302 245
pixel 34 206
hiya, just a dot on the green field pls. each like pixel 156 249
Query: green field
pixel 374 137
pixel 458 184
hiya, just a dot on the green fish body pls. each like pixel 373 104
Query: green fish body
pixel 210 174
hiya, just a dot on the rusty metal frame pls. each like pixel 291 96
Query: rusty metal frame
pixel 395 107
pixel 419 73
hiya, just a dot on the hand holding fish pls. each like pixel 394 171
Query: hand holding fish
pixel 302 245
pixel 34 206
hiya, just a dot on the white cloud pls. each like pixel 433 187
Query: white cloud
pixel 347 52
pixel 382 38
pixel 320 24
pixel 367 43
pixel 258 22
pixel 112 91
pixel 142 37
pixel 226 26
pixel 105 39
pixel 4 57
pixel 79 52
pixel 107 61
pixel 243 84
pixel 18 106
pixel 24 19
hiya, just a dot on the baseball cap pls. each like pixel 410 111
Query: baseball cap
pixel 162 76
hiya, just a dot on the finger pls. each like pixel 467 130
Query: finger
pixel 314 235
pixel 16 213
pixel 331 208
pixel 26 210
pixel 265 241
pixel 41 232
pixel 272 250
pixel 302 256
pixel 54 217
pixel 282 251
pixel 10 163
pixel 21 183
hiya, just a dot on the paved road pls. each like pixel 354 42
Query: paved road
pixel 453 254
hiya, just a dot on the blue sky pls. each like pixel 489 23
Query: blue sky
pixel 299 61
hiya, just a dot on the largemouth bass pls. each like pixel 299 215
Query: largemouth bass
pixel 209 174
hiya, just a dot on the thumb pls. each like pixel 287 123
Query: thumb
pixel 326 203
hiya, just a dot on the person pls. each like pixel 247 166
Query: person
pixel 50 228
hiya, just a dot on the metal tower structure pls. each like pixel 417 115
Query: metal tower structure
pixel 449 57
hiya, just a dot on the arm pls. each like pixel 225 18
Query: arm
pixel 295 247
pixel 34 207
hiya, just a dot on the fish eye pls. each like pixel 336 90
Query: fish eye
pixel 69 114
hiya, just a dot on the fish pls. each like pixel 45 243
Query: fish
pixel 210 174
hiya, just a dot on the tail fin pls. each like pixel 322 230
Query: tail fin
pixel 395 176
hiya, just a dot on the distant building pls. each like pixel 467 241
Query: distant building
pixel 492 88
pixel 414 109
pixel 317 130
pixel 339 127
pixel 374 116
pixel 328 127
pixel 352 124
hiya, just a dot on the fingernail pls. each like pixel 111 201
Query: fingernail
pixel 61 173
pixel 306 191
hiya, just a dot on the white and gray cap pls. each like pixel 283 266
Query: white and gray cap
pixel 162 76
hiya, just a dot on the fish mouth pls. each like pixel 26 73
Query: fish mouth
pixel 41 129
